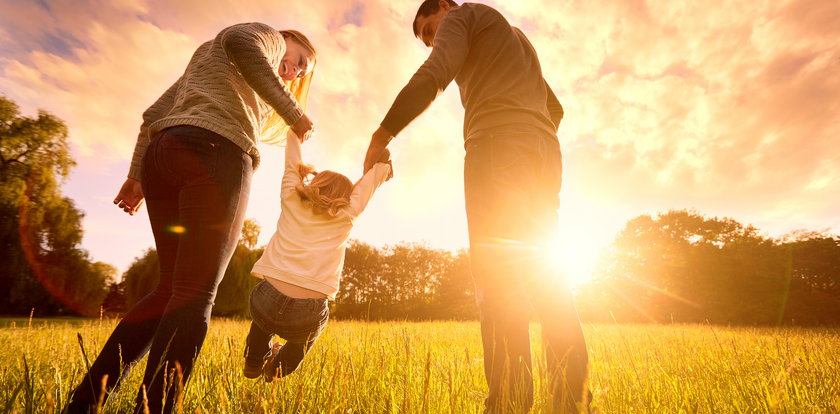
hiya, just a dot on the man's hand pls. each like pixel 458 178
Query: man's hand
pixel 130 197
pixel 378 143
pixel 385 158
pixel 303 127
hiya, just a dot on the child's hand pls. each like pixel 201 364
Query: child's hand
pixel 385 157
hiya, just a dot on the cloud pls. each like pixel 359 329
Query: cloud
pixel 733 106
pixel 732 109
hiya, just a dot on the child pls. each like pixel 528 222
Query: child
pixel 302 263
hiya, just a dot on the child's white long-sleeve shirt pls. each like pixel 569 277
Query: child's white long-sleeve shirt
pixel 307 249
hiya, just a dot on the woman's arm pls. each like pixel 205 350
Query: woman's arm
pixel 158 110
pixel 248 47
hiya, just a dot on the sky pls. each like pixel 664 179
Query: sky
pixel 727 108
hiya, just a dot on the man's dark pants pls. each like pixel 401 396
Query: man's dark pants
pixel 512 183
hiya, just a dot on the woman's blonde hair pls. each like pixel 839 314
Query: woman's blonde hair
pixel 328 191
pixel 275 128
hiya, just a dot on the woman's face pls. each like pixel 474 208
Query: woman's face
pixel 297 62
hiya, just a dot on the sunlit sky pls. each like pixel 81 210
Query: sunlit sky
pixel 730 108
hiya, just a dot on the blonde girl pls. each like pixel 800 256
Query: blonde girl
pixel 302 264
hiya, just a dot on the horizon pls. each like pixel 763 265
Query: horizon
pixel 726 111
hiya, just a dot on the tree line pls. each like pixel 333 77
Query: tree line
pixel 685 267
pixel 405 281
pixel 678 266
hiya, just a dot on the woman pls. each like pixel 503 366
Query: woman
pixel 193 162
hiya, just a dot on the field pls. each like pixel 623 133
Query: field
pixel 436 367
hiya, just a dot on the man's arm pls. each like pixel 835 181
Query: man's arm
pixel 555 110
pixel 450 49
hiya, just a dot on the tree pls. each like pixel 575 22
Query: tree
pixel 405 281
pixel 41 263
pixel 114 302
pixel 141 277
pixel 250 234
pixel 681 266
pixel 234 289
pixel 815 259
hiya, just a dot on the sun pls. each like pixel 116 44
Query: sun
pixel 575 260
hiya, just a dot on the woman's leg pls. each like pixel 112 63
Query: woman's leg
pixel 132 337
pixel 213 177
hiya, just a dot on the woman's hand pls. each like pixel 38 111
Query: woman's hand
pixel 303 127
pixel 130 197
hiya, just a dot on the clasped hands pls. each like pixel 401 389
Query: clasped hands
pixel 378 152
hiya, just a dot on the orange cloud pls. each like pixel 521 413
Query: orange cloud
pixel 733 108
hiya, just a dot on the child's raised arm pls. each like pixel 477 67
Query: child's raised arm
pixel 367 185
pixel 291 172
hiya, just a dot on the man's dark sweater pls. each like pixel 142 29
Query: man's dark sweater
pixel 496 69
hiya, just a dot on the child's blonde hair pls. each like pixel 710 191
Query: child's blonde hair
pixel 328 191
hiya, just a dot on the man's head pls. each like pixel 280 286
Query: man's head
pixel 429 15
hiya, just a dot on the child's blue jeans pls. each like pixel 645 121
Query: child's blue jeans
pixel 298 321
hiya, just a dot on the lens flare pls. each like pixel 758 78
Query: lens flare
pixel 176 229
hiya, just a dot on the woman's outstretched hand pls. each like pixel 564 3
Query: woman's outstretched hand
pixel 130 197
pixel 303 127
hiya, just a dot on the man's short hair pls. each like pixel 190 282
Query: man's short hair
pixel 428 8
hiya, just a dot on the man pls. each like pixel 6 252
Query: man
pixel 512 176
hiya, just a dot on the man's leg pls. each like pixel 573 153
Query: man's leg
pixel 499 183
pixel 552 297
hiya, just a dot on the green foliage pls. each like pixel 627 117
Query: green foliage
pixel 406 281
pixel 250 234
pixel 681 266
pixel 41 263
pixel 141 277
pixel 235 288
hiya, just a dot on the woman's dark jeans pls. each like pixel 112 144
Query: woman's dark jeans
pixel 511 188
pixel 298 321
pixel 196 185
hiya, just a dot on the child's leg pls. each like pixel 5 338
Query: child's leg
pixel 258 342
pixel 257 346
pixel 301 323
pixel 291 355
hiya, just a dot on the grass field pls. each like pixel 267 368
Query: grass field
pixel 436 367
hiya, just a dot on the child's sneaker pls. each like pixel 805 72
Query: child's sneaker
pixel 271 369
pixel 252 371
